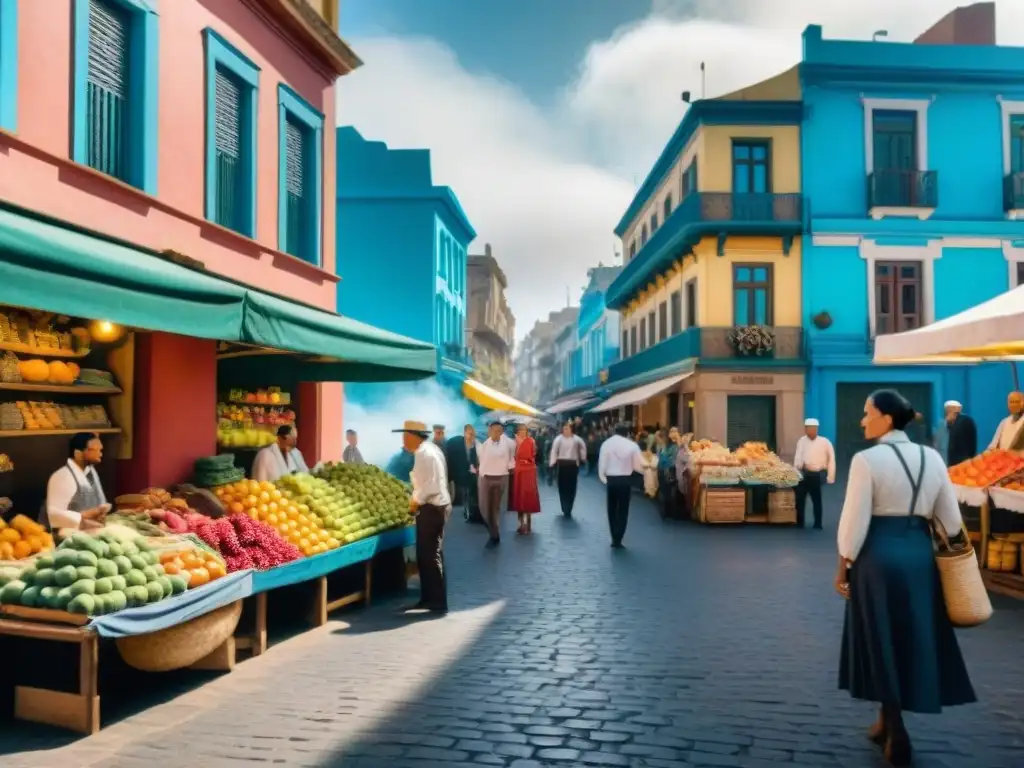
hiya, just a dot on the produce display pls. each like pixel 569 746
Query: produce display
pixel 985 469
pixel 152 512
pixel 93 575
pixel 268 396
pixel 752 462
pixel 6 465
pixel 214 471
pixel 34 332
pixel 28 414
pixel 251 419
pixel 705 451
pixel 291 518
pixel 780 475
pixel 22 538
pixel 244 542
pixel 713 474
pixel 750 453
pixel 195 566
pixel 1013 482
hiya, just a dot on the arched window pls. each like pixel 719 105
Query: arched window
pixel 439 319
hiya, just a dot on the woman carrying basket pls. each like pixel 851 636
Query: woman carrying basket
pixel 899 648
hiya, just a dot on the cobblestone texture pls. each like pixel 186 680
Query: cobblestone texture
pixel 692 647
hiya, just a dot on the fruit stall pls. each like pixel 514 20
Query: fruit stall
pixel 748 485
pixel 990 489
pixel 248 420
pixel 173 574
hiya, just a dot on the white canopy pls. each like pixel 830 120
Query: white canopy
pixel 638 394
pixel 568 405
pixel 993 330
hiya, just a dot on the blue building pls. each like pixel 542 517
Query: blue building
pixel 913 166
pixel 402 244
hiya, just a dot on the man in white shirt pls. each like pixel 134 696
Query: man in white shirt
pixel 816 459
pixel 280 458
pixel 74 494
pixel 496 456
pixel 1009 436
pixel 568 454
pixel 431 504
pixel 619 458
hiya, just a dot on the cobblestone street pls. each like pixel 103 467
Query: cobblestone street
pixel 693 646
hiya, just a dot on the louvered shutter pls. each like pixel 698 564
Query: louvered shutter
pixel 228 144
pixel 107 88
pixel 295 165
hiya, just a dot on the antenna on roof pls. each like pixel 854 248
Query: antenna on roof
pixel 703 80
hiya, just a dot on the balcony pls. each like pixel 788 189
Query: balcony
pixel 903 193
pixel 454 353
pixel 701 214
pixel 1013 195
pixel 712 347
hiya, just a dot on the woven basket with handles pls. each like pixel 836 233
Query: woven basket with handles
pixel 967 600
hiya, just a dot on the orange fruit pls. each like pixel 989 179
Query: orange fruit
pixel 236 508
pixel 200 576
pixel 22 549
pixel 275 495
pixel 172 568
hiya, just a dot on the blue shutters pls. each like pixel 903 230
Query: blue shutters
pixel 300 163
pixel 107 98
pixel 895 140
pixel 297 198
pixel 228 147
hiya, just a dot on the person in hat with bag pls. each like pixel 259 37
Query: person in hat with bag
pixel 431 503
pixel 899 648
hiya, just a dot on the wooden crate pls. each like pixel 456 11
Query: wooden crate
pixel 782 506
pixel 724 505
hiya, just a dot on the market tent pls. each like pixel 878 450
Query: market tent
pixel 571 404
pixel 993 330
pixel 638 394
pixel 486 397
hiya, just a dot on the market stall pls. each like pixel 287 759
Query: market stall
pixel 748 485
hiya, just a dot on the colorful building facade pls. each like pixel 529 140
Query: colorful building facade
pixel 913 161
pixel 593 343
pixel 194 133
pixel 402 243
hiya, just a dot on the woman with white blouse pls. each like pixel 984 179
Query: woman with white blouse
pixel 899 648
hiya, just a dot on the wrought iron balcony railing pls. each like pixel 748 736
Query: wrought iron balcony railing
pixel 902 188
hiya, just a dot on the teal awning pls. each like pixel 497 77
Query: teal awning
pixel 53 268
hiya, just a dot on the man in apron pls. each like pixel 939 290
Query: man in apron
pixel 280 458
pixel 74 495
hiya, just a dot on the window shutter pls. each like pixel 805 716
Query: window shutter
pixel 228 106
pixel 295 165
pixel 107 89
pixel 108 47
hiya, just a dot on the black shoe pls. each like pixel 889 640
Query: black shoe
pixel 898 751
pixel 420 606
pixel 441 610
pixel 492 543
pixel 817 527
pixel 618 545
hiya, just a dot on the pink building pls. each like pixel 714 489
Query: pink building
pixel 202 130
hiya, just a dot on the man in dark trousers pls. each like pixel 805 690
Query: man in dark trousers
pixel 620 458
pixel 962 434
pixel 815 457
pixel 463 465
pixel 568 454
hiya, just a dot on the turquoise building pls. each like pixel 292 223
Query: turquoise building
pixel 402 243
pixel 913 166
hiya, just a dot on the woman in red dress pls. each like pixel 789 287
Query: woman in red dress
pixel 525 498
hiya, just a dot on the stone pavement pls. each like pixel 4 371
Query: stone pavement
pixel 695 646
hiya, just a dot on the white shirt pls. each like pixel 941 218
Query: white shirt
pixel 270 464
pixel 1006 433
pixel 619 457
pixel 497 459
pixel 568 449
pixel 816 455
pixel 61 489
pixel 429 476
pixel 878 486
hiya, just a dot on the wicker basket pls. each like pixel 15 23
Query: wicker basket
pixel 182 645
pixel 964 592
pixel 782 506
pixel 724 505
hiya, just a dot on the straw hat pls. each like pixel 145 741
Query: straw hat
pixel 414 427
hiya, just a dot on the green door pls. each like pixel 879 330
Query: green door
pixel 849 437
pixel 750 418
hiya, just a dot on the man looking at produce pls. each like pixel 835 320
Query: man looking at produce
pixel 961 435
pixel 1009 436
pixel 816 459
pixel 431 504
pixel 496 456
pixel 352 454
pixel 74 495
pixel 279 458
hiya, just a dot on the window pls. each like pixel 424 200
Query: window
pixel 676 303
pixel 9 65
pixel 689 180
pixel 232 84
pixel 632 249
pixel 898 296
pixel 624 353
pixel 643 236
pixel 651 329
pixel 643 334
pixel 667 208
pixel 654 222
pixel 1020 273
pixel 300 163
pixel 663 321
pixel 752 294
pixel 691 303
pixel 633 346
pixel 751 166
pixel 894 138
pixel 1016 143
pixel 114 114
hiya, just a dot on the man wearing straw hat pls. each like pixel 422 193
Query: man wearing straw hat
pixel 431 504
pixel 816 459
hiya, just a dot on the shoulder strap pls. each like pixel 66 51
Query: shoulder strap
pixel 914 485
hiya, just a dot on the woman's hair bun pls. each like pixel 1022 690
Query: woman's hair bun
pixel 889 402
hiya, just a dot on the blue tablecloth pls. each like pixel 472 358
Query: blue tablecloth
pixel 177 610
pixel 314 567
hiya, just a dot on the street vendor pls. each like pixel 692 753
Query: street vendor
pixel 74 494
pixel 280 458
pixel 816 459
pixel 1009 436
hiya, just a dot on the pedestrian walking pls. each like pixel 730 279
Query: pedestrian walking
pixel 961 434
pixel 462 464
pixel 899 648
pixel 816 459
pixel 667 484
pixel 431 504
pixel 620 458
pixel 568 454
pixel 525 496
pixel 684 479
pixel 496 459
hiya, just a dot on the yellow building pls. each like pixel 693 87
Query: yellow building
pixel 710 292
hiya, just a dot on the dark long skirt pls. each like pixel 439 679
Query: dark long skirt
pixel 899 647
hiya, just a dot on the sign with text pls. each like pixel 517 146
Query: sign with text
pixel 747 381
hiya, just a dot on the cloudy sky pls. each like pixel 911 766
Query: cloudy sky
pixel 544 116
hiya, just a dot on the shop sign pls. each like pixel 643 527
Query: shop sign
pixel 747 381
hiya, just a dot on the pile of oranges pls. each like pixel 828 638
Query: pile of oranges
pixel 195 566
pixel 265 502
pixel 986 469
pixel 23 537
